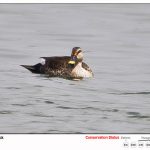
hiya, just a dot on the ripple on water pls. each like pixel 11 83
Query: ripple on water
pixel 137 115
pixel 132 93
pixel 65 107
pixel 6 112
pixel 13 88
pixel 40 115
pixel 89 108
pixel 49 102
pixel 111 110
pixel 22 105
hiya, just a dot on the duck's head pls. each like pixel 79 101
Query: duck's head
pixel 76 56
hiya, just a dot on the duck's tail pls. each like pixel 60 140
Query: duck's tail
pixel 34 69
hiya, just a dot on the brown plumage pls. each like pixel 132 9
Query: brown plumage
pixel 66 66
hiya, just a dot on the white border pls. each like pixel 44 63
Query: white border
pixel 74 142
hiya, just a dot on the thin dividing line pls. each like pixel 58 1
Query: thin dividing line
pixel 144 140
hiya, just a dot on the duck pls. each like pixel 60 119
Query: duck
pixel 68 67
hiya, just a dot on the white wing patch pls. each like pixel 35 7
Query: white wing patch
pixel 43 61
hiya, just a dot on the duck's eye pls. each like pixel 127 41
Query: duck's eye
pixel 74 58
pixel 79 51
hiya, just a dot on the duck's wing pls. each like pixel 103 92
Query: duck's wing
pixel 56 63
pixel 86 67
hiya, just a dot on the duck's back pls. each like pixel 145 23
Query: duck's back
pixel 56 63
pixel 56 66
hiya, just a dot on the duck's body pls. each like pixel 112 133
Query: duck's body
pixel 63 67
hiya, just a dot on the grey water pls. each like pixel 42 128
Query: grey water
pixel 116 43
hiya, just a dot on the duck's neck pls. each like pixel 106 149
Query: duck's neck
pixel 79 64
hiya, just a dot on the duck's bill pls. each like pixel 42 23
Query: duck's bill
pixel 71 62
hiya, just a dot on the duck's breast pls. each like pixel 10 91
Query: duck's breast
pixel 79 71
